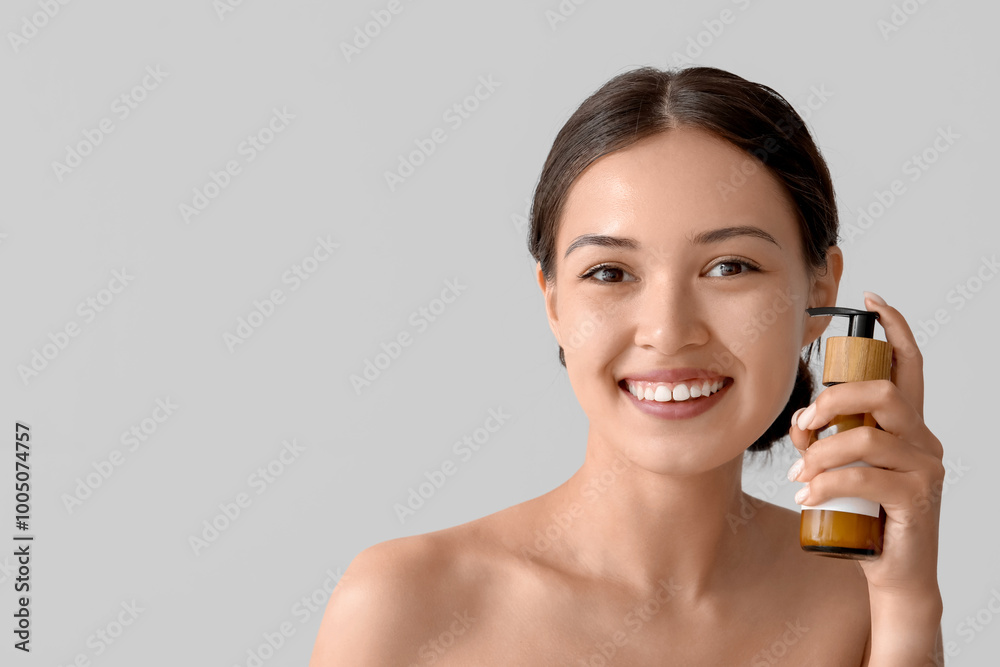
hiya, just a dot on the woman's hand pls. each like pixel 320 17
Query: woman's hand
pixel 907 476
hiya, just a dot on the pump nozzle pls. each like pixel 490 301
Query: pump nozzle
pixel 860 322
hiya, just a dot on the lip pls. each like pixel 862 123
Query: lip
pixel 676 409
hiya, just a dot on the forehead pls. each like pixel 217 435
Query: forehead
pixel 675 184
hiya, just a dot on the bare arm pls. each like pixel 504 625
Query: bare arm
pixel 906 631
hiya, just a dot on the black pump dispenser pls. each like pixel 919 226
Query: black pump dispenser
pixel 859 322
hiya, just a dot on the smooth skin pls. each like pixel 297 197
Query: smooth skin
pixel 651 553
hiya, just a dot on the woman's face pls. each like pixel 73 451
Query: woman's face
pixel 679 258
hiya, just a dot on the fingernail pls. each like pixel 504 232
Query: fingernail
pixel 794 471
pixel 795 416
pixel 806 417
pixel 876 298
pixel 802 494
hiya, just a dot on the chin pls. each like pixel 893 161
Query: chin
pixel 674 454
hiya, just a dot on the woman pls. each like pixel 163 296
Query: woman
pixel 677 213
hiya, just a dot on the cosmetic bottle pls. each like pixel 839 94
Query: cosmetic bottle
pixel 848 527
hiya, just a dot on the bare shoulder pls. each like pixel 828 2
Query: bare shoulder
pixel 397 596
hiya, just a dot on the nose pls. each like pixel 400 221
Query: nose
pixel 669 317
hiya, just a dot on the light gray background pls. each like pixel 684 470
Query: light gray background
pixel 457 218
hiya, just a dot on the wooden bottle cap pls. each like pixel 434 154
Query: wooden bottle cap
pixel 856 358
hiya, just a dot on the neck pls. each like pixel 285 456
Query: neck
pixel 616 521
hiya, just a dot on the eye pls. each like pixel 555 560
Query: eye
pixel 740 264
pixel 606 273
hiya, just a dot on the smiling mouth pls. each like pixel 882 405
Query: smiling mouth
pixel 665 392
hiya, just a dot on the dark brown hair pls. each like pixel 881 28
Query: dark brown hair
pixel 751 116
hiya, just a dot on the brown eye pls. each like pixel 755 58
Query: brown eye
pixel 604 273
pixel 610 275
pixel 733 267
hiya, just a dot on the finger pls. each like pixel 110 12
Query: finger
pixel 871 445
pixel 907 361
pixel 886 403
pixel 898 492
pixel 801 438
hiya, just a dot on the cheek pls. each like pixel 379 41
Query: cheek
pixel 766 337
pixel 591 328
pixel 593 335
pixel 773 317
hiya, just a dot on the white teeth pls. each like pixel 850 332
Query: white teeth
pixel 680 392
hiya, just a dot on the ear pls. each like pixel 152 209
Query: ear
pixel 823 293
pixel 549 290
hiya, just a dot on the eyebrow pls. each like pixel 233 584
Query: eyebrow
pixel 703 238
pixel 603 241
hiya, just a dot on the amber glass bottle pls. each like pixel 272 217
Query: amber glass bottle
pixel 848 527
